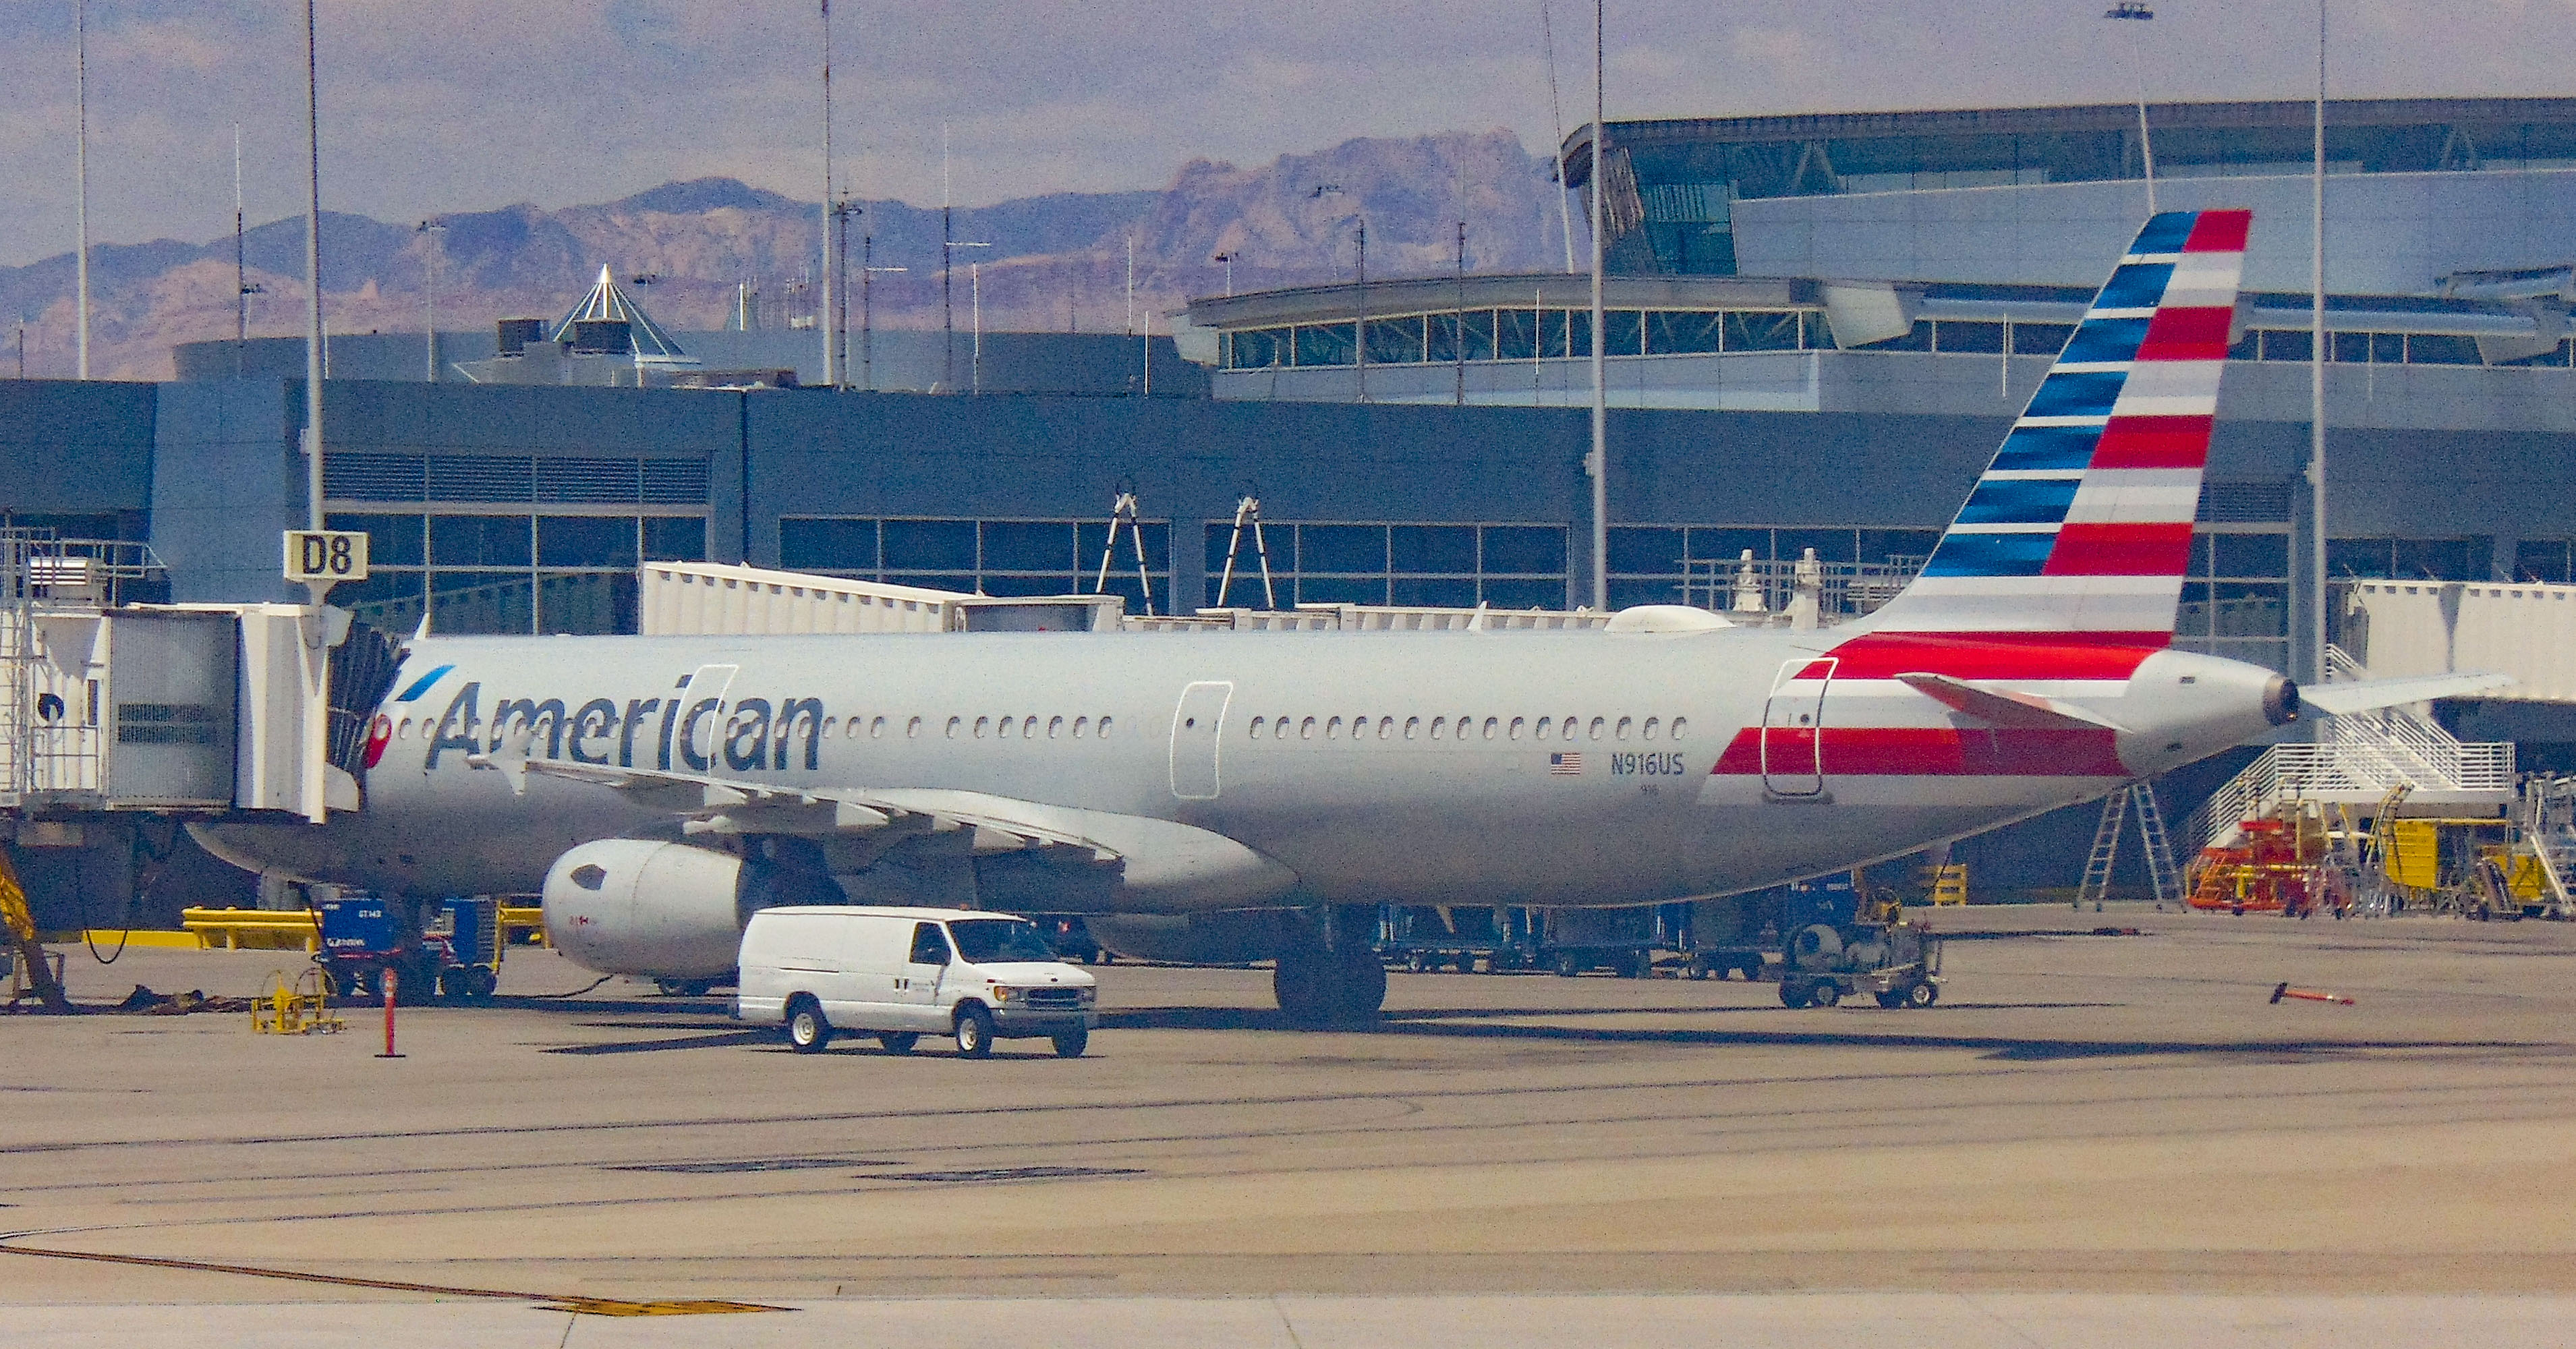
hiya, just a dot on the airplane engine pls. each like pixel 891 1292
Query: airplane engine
pixel 671 910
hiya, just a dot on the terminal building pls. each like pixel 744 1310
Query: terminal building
pixel 1818 330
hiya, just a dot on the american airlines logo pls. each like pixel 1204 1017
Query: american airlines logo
pixel 700 733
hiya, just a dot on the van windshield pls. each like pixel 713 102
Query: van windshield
pixel 988 941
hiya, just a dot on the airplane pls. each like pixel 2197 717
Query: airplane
pixel 1256 796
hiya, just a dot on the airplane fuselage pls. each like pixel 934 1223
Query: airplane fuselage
pixel 1582 768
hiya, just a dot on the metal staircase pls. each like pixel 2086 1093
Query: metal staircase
pixel 2358 759
pixel 2162 873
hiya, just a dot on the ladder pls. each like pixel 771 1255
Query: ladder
pixel 2162 872
pixel 1247 511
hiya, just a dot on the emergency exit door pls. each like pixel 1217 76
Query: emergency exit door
pixel 1196 724
pixel 1793 729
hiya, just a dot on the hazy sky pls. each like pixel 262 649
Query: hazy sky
pixel 436 105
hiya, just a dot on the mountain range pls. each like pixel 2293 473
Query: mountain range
pixel 1048 263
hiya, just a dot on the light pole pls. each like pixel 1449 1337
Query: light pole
pixel 80 169
pixel 435 231
pixel 841 214
pixel 2316 671
pixel 867 334
pixel 312 281
pixel 1359 329
pixel 831 345
pixel 948 338
pixel 1228 260
pixel 2138 10
pixel 1598 462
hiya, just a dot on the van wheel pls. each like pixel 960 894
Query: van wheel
pixel 807 1031
pixel 1922 995
pixel 974 1033
pixel 1071 1044
pixel 898 1041
pixel 1826 994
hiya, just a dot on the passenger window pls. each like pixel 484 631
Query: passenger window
pixel 1516 728
pixel 980 724
pixel 1649 730
pixel 1079 723
pixel 1411 724
pixel 1385 727
pixel 1680 724
pixel 876 728
pixel 1438 724
pixel 912 729
pixel 1028 728
pixel 1570 725
pixel 1621 732
pixel 1104 728
pixel 1596 729
pixel 1055 727
pixel 929 944
pixel 1306 729
pixel 1256 728
pixel 953 724
pixel 1489 727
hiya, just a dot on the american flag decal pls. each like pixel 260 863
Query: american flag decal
pixel 1567 764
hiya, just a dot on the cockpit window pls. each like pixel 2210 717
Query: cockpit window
pixel 987 941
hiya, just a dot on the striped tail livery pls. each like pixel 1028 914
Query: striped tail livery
pixel 2082 524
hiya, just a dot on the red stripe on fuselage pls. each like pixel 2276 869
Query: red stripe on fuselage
pixel 2120 550
pixel 1928 751
pixel 2154 442
pixel 1997 655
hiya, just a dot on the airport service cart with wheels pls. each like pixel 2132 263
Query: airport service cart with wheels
pixel 1897 963
pixel 453 951
pixel 1623 941
pixel 1420 939
pixel 1733 935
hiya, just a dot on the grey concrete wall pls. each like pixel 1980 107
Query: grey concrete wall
pixel 228 483
pixel 74 448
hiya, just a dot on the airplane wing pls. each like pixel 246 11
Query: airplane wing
pixel 2367 695
pixel 711 805
pixel 2005 705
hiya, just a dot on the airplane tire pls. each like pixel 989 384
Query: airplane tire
pixel 1362 986
pixel 1318 988
pixel 807 1031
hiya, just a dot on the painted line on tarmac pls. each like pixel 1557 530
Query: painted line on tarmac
pixel 578 1304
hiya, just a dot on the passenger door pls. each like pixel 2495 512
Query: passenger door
pixel 1196 727
pixel 917 988
pixel 1793 729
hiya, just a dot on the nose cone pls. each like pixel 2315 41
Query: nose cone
pixel 2181 706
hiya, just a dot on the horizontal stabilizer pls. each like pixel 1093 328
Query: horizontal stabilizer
pixel 2004 705
pixel 2369 695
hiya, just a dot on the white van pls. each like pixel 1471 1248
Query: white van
pixel 901 974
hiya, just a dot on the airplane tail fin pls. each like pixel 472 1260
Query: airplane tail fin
pixel 2082 523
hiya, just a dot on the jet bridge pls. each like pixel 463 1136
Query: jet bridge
pixel 117 715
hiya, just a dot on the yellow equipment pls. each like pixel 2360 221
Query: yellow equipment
pixel 1950 884
pixel 253 929
pixel 523 925
pixel 301 1008
pixel 32 969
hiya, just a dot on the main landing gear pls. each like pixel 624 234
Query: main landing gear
pixel 1331 975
